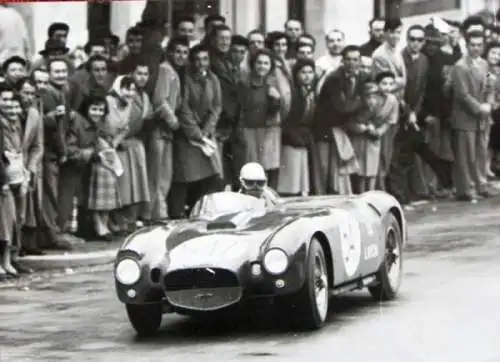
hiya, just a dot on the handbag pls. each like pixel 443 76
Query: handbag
pixel 15 171
pixel 110 159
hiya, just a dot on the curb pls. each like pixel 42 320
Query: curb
pixel 69 260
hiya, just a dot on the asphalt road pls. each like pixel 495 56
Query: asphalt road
pixel 447 311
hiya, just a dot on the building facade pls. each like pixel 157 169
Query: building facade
pixel 319 16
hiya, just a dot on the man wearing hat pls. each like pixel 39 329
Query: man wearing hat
pixel 59 33
pixel 53 49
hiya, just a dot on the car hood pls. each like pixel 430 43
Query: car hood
pixel 226 241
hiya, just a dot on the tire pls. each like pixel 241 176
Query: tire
pixel 390 273
pixel 311 302
pixel 145 318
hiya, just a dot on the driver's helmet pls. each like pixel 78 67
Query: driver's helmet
pixel 253 178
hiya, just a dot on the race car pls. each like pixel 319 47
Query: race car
pixel 233 248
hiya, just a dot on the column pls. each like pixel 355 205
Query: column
pixel 124 15
pixel 352 17
pixel 277 14
pixel 247 16
pixel 314 19
pixel 227 10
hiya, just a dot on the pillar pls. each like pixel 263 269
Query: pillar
pixel 247 16
pixel 276 14
pixel 124 15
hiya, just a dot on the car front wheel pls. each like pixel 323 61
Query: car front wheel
pixel 390 273
pixel 145 318
pixel 311 306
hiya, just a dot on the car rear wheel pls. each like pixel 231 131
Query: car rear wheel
pixel 311 305
pixel 390 274
pixel 145 318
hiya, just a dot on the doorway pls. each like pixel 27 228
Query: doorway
pixel 98 18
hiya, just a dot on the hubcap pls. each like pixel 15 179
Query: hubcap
pixel 393 260
pixel 321 287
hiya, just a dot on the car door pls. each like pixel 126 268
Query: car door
pixel 372 238
pixel 347 245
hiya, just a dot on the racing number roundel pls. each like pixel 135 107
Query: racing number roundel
pixel 350 241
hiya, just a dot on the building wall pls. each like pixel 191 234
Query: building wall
pixel 38 17
pixel 351 16
pixel 125 14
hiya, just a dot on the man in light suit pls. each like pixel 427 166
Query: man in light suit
pixel 387 58
pixel 471 109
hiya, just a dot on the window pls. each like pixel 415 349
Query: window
pixel 419 7
pixel 406 8
pixel 98 17
pixel 296 9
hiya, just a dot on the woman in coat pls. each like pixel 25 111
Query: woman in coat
pixel 282 78
pixel 196 172
pixel 33 148
pixel 7 215
pixel 103 195
pixel 125 125
pixel 492 56
pixel 296 133
pixel 14 184
pixel 260 116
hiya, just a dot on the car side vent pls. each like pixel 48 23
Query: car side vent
pixel 218 225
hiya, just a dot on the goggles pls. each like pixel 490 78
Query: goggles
pixel 253 184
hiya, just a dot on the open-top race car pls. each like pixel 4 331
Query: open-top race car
pixel 234 248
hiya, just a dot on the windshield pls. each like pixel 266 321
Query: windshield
pixel 223 203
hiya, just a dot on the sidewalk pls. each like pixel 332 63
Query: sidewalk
pixel 99 252
pixel 89 254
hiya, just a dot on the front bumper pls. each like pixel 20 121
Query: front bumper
pixel 210 288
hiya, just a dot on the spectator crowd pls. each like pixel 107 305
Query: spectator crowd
pixel 98 140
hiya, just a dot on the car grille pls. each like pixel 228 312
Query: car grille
pixel 202 288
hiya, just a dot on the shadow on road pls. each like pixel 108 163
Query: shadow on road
pixel 258 325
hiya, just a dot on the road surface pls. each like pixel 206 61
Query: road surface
pixel 447 311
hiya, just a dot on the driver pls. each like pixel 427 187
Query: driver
pixel 253 181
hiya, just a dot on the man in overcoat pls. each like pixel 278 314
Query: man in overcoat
pixel 334 159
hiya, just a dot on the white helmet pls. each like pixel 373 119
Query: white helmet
pixel 252 175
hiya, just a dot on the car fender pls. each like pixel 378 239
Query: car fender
pixel 384 204
pixel 148 247
pixel 295 239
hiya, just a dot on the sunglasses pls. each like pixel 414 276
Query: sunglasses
pixel 253 184
pixel 420 40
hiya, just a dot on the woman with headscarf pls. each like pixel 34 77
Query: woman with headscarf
pixel 133 182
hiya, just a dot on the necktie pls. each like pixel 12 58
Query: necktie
pixel 351 85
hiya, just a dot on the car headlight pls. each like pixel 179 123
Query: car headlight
pixel 127 271
pixel 275 261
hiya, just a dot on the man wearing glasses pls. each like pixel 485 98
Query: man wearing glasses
pixel 417 66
